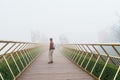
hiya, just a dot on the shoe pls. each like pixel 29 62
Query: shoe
pixel 49 62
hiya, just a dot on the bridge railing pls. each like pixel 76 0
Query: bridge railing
pixel 102 61
pixel 15 57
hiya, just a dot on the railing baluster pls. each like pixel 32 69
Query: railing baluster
pixel 96 59
pixel 84 56
pixel 78 53
pixel 15 62
pixel 8 66
pixel 74 53
pixel 116 73
pixel 14 59
pixel 90 57
pixel 20 48
pixel 1 76
pixel 104 67
pixel 23 55
pixel 81 53
pixel 17 51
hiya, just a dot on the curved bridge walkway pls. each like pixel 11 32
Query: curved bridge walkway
pixel 61 69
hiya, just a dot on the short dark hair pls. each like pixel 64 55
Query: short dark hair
pixel 51 39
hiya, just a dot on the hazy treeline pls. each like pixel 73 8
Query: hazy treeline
pixel 111 34
pixel 36 36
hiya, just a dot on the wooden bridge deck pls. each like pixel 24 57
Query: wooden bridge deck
pixel 61 69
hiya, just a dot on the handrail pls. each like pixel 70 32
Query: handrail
pixel 16 56
pixel 91 56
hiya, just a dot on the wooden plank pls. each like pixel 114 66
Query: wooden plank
pixel 61 69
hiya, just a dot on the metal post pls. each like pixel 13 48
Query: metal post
pixel 82 53
pixel 78 52
pixel 1 76
pixel 116 73
pixel 8 66
pixel 86 53
pixel 90 57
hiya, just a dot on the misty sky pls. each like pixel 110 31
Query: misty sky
pixel 79 20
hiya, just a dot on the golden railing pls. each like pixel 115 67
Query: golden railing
pixel 15 57
pixel 102 61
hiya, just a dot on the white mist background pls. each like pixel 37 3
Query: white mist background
pixel 80 21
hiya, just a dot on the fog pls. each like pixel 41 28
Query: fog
pixel 80 21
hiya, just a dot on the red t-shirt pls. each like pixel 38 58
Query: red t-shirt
pixel 51 45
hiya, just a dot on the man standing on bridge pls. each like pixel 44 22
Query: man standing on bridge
pixel 51 49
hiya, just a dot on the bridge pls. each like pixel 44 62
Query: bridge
pixel 29 61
